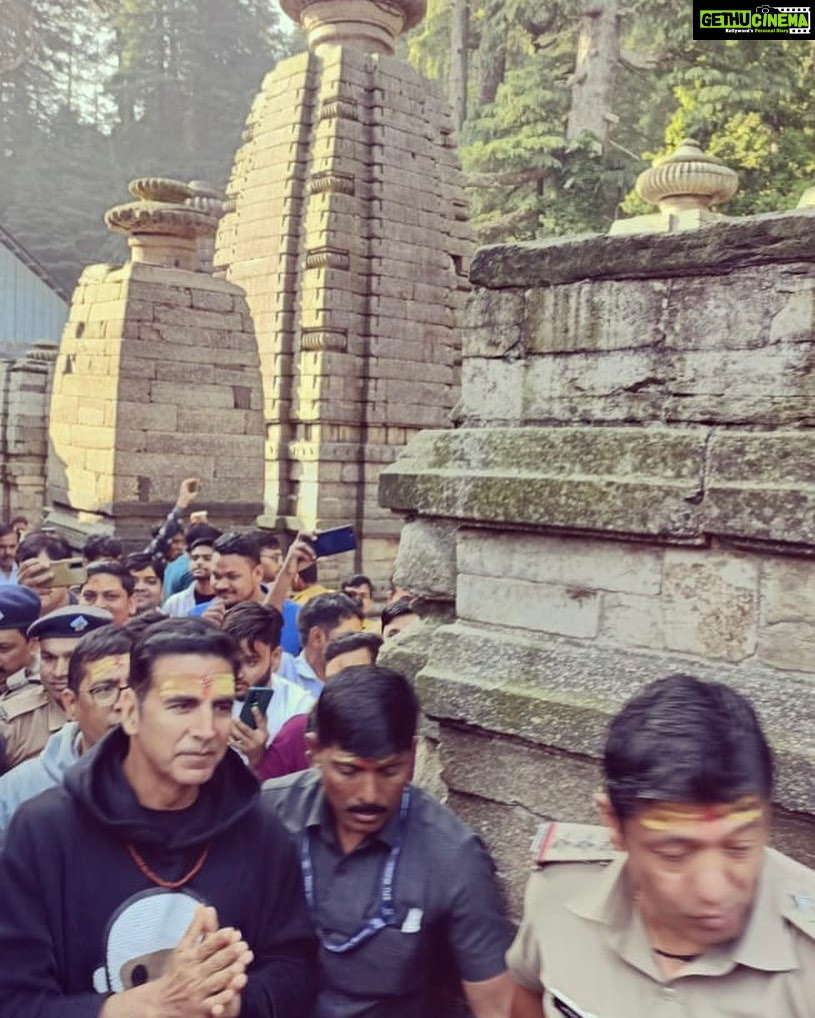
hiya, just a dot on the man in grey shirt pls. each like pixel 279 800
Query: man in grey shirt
pixel 396 884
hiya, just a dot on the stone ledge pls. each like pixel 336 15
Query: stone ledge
pixel 678 485
pixel 560 695
pixel 712 250
pixel 623 480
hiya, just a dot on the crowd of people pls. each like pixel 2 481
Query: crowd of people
pixel 207 809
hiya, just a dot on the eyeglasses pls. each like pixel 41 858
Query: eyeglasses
pixel 105 694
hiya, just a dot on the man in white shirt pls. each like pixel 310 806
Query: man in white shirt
pixel 256 629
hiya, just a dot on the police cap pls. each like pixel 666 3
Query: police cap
pixel 72 620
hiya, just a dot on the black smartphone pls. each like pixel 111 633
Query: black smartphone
pixel 256 696
pixel 334 542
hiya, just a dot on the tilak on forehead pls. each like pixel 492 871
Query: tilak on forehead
pixel 113 666
pixel 203 684
pixel 665 816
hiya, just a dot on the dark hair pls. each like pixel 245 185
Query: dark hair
pixel 309 574
pixel 357 580
pixel 266 539
pixel 18 519
pixel 105 568
pixel 402 606
pixel 326 611
pixel 206 542
pixel 55 547
pixel 368 711
pixel 254 622
pixel 684 740
pixel 139 560
pixel 137 625
pixel 6 529
pixel 201 532
pixel 345 643
pixel 94 646
pixel 102 546
pixel 177 636
pixel 244 545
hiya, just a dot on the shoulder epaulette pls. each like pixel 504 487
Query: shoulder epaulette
pixel 799 910
pixel 22 701
pixel 557 842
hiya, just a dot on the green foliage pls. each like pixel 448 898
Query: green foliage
pixel 748 103
pixel 117 89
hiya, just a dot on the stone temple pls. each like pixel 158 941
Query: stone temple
pixel 329 333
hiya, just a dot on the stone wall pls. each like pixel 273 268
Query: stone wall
pixel 25 390
pixel 629 494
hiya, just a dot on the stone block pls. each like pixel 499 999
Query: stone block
pixel 739 310
pixel 760 486
pixel 213 300
pixel 518 604
pixel 603 316
pixel 625 481
pixel 493 320
pixel 149 417
pixel 710 604
pixel 632 385
pixel 711 250
pixel 426 560
pixel 196 395
pixel 632 620
pixel 492 391
pixel 787 591
pixel 788 645
pixel 576 562
pixel 559 694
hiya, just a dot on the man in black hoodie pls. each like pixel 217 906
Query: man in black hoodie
pixel 152 884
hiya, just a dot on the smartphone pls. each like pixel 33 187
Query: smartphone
pixel 256 696
pixel 69 572
pixel 334 542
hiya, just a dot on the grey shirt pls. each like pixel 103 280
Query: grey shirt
pixel 449 910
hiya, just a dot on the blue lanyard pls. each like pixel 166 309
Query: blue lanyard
pixel 387 913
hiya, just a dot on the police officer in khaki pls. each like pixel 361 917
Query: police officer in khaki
pixel 677 909
pixel 30 714
pixel 19 607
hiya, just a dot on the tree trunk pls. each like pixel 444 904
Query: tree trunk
pixel 459 60
pixel 595 75
pixel 492 60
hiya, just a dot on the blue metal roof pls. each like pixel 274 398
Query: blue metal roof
pixel 32 307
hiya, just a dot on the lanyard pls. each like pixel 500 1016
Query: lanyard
pixel 387 913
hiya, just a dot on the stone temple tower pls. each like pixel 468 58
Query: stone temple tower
pixel 347 228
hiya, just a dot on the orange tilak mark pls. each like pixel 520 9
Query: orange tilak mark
pixel 664 817
pixel 195 684
pixel 113 666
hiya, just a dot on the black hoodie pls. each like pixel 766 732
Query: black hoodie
pixel 78 919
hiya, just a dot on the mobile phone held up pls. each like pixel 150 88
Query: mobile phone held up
pixel 68 572
pixel 334 542
pixel 256 696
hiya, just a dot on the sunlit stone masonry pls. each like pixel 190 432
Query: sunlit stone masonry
pixel 348 232
pixel 157 379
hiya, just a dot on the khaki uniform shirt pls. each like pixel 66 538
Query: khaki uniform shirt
pixel 28 717
pixel 583 940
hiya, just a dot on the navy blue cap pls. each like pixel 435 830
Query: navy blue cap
pixel 73 620
pixel 19 607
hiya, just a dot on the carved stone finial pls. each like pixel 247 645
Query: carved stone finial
pixel 807 199
pixel 162 228
pixel 685 185
pixel 372 25
pixel 687 179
